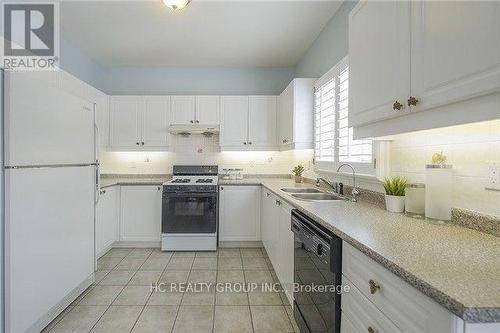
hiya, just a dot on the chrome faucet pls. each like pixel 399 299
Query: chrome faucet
pixel 334 186
pixel 355 191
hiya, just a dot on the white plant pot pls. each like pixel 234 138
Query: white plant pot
pixel 395 204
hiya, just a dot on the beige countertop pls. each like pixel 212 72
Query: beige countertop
pixel 457 267
pixel 107 182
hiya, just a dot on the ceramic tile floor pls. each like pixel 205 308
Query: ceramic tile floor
pixel 120 300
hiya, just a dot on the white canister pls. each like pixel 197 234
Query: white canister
pixel 438 191
pixel 415 199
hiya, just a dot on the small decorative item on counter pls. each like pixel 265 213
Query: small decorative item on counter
pixel 415 200
pixel 395 194
pixel 438 190
pixel 239 174
pixel 297 170
pixel 438 158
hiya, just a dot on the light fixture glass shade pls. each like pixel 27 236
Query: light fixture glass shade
pixel 176 4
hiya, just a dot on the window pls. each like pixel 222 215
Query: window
pixel 333 138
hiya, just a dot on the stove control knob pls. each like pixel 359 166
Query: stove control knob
pixel 319 250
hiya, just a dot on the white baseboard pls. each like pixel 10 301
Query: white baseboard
pixel 141 244
pixel 241 244
pixel 63 304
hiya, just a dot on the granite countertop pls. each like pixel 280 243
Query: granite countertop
pixel 457 267
pixel 107 181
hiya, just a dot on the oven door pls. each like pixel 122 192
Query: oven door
pixel 189 213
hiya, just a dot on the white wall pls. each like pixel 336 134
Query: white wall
pixel 468 147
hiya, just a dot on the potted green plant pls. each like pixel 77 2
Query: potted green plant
pixel 297 170
pixel 395 194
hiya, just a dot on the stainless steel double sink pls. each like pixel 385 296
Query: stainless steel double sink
pixel 311 194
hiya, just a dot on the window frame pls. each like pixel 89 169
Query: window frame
pixel 366 168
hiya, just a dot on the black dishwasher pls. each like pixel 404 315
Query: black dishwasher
pixel 317 276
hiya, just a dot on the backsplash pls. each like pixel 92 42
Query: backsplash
pixel 198 149
pixel 467 147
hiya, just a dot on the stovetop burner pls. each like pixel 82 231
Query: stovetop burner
pixel 205 180
pixel 181 181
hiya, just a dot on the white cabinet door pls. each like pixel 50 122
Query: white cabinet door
pixel 140 217
pixel 207 110
pixel 239 213
pixel 379 60
pixel 234 121
pixel 107 228
pixel 455 51
pixel 267 209
pixel 155 121
pixel 262 121
pixel 285 270
pixel 183 110
pixel 125 121
pixel 285 116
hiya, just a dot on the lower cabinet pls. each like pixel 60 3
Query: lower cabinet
pixel 278 238
pixel 140 213
pixel 239 213
pixel 107 219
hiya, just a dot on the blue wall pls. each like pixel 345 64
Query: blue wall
pixel 74 61
pixel 195 80
pixel 330 46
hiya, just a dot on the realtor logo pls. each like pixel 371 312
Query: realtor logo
pixel 31 36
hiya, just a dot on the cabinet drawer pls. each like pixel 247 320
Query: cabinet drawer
pixel 361 315
pixel 407 307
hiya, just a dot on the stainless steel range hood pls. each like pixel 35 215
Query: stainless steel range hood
pixel 193 129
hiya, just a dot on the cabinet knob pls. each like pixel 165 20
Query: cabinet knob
pixel 412 101
pixel 285 140
pixel 221 188
pixel 142 143
pixel 250 143
pixel 370 329
pixel 268 194
pixel 191 121
pixel 159 188
pixel 374 286
pixel 137 143
pixel 397 106
pixel 244 143
pixel 197 121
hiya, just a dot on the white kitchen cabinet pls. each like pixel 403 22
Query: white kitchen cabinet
pixel 234 121
pixel 278 239
pixel 107 219
pixel 207 110
pixel 392 306
pixel 125 121
pixel 155 121
pixel 295 115
pixel 140 213
pixel 262 116
pixel 239 213
pixel 440 57
pixel 379 60
pixel 183 110
pixel 455 51
pixel 139 122
pixel 285 255
pixel 248 123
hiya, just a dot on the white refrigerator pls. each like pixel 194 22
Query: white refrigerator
pixel 51 174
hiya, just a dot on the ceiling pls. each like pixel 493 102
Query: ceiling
pixel 205 33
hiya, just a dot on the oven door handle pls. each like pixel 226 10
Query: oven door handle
pixel 187 195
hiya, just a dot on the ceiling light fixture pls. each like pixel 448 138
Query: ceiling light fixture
pixel 176 4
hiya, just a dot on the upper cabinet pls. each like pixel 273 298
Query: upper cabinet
pixel 139 122
pixel 295 115
pixel 183 110
pixel 207 110
pixel 406 57
pixel 200 110
pixel 248 123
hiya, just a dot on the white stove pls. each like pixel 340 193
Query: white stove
pixel 190 209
